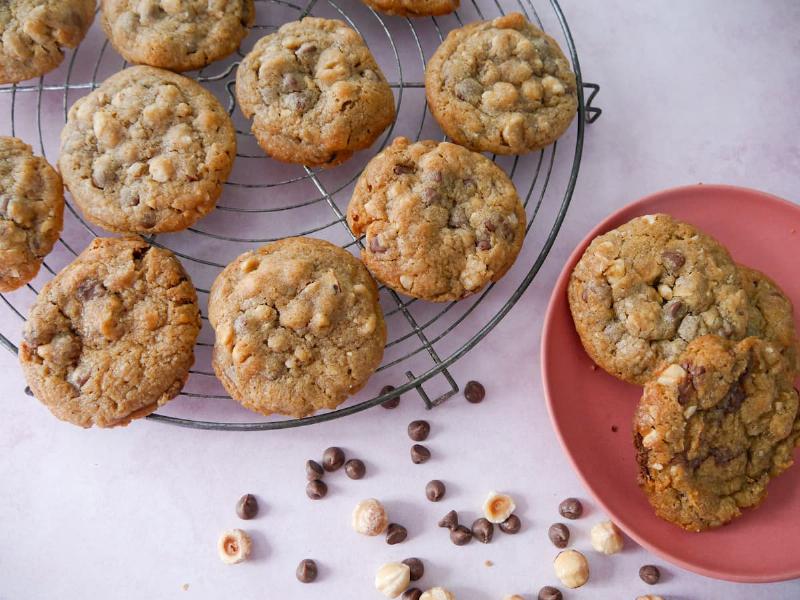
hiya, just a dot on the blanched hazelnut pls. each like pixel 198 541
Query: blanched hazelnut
pixel 438 593
pixel 571 568
pixel 498 507
pixel 606 538
pixel 234 546
pixel 370 518
pixel 514 597
pixel 392 579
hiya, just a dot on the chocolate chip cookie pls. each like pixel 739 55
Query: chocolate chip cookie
pixel 642 291
pixel 298 327
pixel 501 86
pixel 147 152
pixel 314 92
pixel 713 427
pixel 179 35
pixel 31 212
pixel 111 337
pixel 770 314
pixel 440 221
pixel 414 8
pixel 33 34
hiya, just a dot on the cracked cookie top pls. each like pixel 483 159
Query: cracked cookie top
pixel 33 34
pixel 179 35
pixel 501 86
pixel 713 427
pixel 147 152
pixel 414 8
pixel 314 92
pixel 31 212
pixel 298 327
pixel 440 221
pixel 110 338
pixel 642 291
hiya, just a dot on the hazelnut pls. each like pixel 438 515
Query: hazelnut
pixel 370 518
pixel 649 597
pixel 572 568
pixel 606 538
pixel 498 507
pixel 672 375
pixel 438 593
pixel 392 579
pixel 234 546
pixel 514 597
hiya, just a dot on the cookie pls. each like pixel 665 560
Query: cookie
pixel 31 212
pixel 298 327
pixel 770 314
pixel 111 337
pixel 642 291
pixel 440 221
pixel 713 427
pixel 179 35
pixel 34 33
pixel 414 8
pixel 314 92
pixel 501 86
pixel 147 152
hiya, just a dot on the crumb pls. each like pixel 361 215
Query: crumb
pixel 593 367
pixel 185 587
pixel 614 428
pixel 488 563
pixel 794 230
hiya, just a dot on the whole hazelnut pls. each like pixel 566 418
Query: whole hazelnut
pixel 649 597
pixel 370 518
pixel 572 568
pixel 438 593
pixel 606 538
pixel 392 579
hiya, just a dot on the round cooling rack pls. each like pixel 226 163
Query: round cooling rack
pixel 265 200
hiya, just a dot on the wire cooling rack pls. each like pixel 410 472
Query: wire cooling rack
pixel 264 201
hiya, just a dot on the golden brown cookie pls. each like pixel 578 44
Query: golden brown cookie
pixel 147 152
pixel 314 92
pixel 31 212
pixel 642 291
pixel 414 8
pixel 179 35
pixel 111 337
pixel 713 427
pixel 440 221
pixel 298 327
pixel 501 86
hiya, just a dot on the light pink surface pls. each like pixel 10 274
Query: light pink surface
pixel 692 92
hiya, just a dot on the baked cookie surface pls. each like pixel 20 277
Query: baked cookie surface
pixel 440 221
pixel 179 35
pixel 111 337
pixel 501 86
pixel 414 8
pixel 33 34
pixel 147 152
pixel 314 92
pixel 712 429
pixel 31 212
pixel 298 327
pixel 642 291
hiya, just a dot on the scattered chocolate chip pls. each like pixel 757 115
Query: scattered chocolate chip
pixel 461 535
pixel 650 574
pixel 316 489
pixel 247 507
pixel 511 525
pixel 375 246
pixel 419 430
pixel 549 593
pixel 395 534
pixel 314 470
pixel 571 508
pixel 435 490
pixel 392 402
pixel 28 391
pixel 672 260
pixel 483 530
pixel 416 567
pixel 559 535
pixel 474 392
pixel 403 169
pixel 419 454
pixel 332 459
pixel 355 469
pixel 411 594
pixel 306 571
pixel 450 520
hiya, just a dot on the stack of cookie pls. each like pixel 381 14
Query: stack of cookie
pixel 658 303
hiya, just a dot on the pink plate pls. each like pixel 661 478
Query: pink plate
pixel 587 405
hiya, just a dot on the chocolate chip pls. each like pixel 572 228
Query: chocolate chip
pixel 672 260
pixel 483 530
pixel 28 391
pixel 489 225
pixel 675 309
pixel 411 594
pixel 484 245
pixel 332 459
pixel 395 534
pixel 419 454
pixel 355 469
pixel 88 289
pixel 571 508
pixel 650 574
pixel 314 470
pixel 511 525
pixel 449 521
pixel 403 169
pixel 306 571
pixel 247 507
pixel 559 535
pixel 734 398
pixel 461 535
pixel 316 489
pixel 298 101
pixel 416 567
pixel 375 246
pixel 435 490
pixel 430 196
pixel 474 392
pixel 614 429
pixel 292 82
pixel 549 593
pixel 392 402
pixel 419 430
